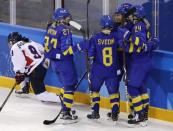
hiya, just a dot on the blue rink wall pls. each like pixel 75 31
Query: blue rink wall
pixel 160 82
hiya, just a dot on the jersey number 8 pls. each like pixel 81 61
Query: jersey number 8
pixel 107 56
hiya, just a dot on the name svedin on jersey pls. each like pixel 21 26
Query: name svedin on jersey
pixel 31 54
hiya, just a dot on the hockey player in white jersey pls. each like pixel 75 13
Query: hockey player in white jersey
pixel 28 61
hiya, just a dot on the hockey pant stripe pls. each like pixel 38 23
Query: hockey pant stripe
pixel 137 104
pixel 114 101
pixel 95 101
pixel 68 100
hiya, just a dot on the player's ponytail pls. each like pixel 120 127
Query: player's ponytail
pixel 24 39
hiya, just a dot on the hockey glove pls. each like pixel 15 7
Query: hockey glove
pixel 83 45
pixel 151 45
pixel 19 77
pixel 46 63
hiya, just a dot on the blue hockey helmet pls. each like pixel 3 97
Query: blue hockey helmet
pixel 14 37
pixel 60 13
pixel 139 12
pixel 123 8
pixel 106 21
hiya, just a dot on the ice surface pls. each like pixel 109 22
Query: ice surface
pixel 27 114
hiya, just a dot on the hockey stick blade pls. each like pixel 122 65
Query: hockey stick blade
pixel 75 25
pixel 48 122
pixel 78 27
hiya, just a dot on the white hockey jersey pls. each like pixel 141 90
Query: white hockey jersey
pixel 26 56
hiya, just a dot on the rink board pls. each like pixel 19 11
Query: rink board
pixel 159 83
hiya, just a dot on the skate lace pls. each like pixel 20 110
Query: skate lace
pixel 136 117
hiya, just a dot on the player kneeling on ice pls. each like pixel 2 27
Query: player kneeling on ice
pixel 59 50
pixel 28 61
pixel 103 50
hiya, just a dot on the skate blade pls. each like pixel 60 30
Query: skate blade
pixel 140 124
pixel 67 122
pixel 94 120
pixel 144 123
pixel 48 102
pixel 22 95
pixel 132 125
pixel 73 116
pixel 103 121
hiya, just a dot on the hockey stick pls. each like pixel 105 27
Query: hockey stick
pixel 87 57
pixel 88 2
pixel 85 36
pixel 125 79
pixel 3 104
pixel 48 122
